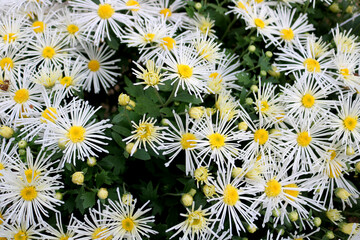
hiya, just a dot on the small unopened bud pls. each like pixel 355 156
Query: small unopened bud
pixel 243 126
pixel 236 172
pixel 198 6
pixel 209 190
pixel 131 105
pixel 342 193
pixel 58 196
pixel 78 178
pixel 349 9
pixel 6 132
pixel 263 73
pixel 350 151
pixel 269 54
pixel 127 198
pixel 22 144
pixel 62 143
pixel 357 167
pixel 187 200
pixel 22 152
pixel 251 228
pixel 165 122
pixel 349 228
pixel 249 101
pixel 317 221
pixel 192 192
pixel 91 161
pixel 103 193
pixel 252 48
pixel 330 235
pixel 274 72
pixel 281 231
pixel 176 103
pixel 129 147
pixel 293 216
pixel 334 215
pixel 254 88
pixel 196 112
pixel 276 212
pixel 123 99
pixel 334 8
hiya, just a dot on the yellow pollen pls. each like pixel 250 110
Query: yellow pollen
pixel 94 65
pixel 350 123
pixel 76 134
pixel 345 72
pixel 38 26
pixel 149 37
pixel 264 106
pixel 128 224
pixel 308 100
pixel 332 154
pixel 49 114
pixel 168 42
pixel 196 220
pixel 304 139
pixel 145 130
pixel 99 233
pixel 1 218
pixel 48 52
pixel 273 188
pixel 6 63
pixel 312 65
pixel 105 11
pixel 287 34
pixel 231 195
pixel 21 235
pixel 259 23
pixel 9 38
pixel 64 237
pixel 214 75
pixel 133 3
pixel 292 193
pixel 166 12
pixel 28 193
pixel 205 27
pixel 29 175
pixel 72 29
pixel 184 70
pixel 66 81
pixel 21 96
pixel 201 174
pixel 261 136
pixel 185 143
pixel 216 140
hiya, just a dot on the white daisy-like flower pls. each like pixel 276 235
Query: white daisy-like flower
pixel 207 48
pixel 168 10
pixel 346 65
pixel 47 76
pixel 97 19
pixel 150 76
pixel 59 233
pixel 196 226
pixel 203 24
pixel 227 105
pixel 75 133
pixel 12 30
pixel 345 41
pixel 43 22
pixel 21 230
pixel 181 138
pixel 8 152
pixel 101 72
pixel 125 221
pixel 146 133
pixel 12 59
pixel 140 9
pixel 72 76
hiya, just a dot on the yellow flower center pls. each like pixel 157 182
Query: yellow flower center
pixel 76 134
pixel 1 218
pixel 205 27
pixel 273 188
pixel 94 65
pixel 261 136
pixel 128 224
pixel 350 123
pixel 231 195
pixel 201 174
pixel 99 233
pixel 259 23
pixel 28 193
pixel 312 65
pixel 29 175
pixel 6 63
pixel 149 37
pixel 185 71
pixel 64 237
pixel 241 5
pixel 216 140
pixel 168 42
pixel 293 193
pixel 145 130
pixel 345 72
pixel 48 52
pixel 332 154
pixel 133 3
pixel 49 114
pixel 308 100
pixel 66 81
pixel 287 34
pixel 334 169
pixel 304 139
pixel 72 29
pixel 21 96
pixel 264 106
pixel 38 26
pixel 9 38
pixel 21 235
pixel 187 140
pixel 105 11
pixel 166 12
pixel 196 220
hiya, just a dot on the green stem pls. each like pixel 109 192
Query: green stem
pixel 170 97
pixel 307 6
pixel 228 28
pixel 158 96
pixel 127 116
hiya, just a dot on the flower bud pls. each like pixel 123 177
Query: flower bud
pixel 254 88
pixel 22 152
pixel 123 99
pixel 176 103
pixel 263 73
pixel 357 167
pixel 350 151
pixel 249 101
pixel 198 6
pixel 62 143
pixel 165 122
pixel 269 54
pixel 196 112
pixel 6 132
pixel 58 196
pixel 251 48
pixel 192 192
pixel 317 221
pixel 334 8
pixel 330 235
pixel 243 126
pixel 131 105
pixel 103 193
pixel 334 215
pixel 349 9
pixel 349 228
pixel 127 198
pixel 236 172
pixel 187 200
pixel 91 161
pixel 129 147
pixel 274 72
pixel 209 190
pixel 251 228
pixel 293 216
pixel 276 212
pixel 22 144
pixel 342 193
pixel 78 178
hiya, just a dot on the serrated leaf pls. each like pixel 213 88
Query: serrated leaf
pixel 102 178
pixel 88 199
pixel 141 154
pixel 264 63
pixel 184 96
pixel 248 60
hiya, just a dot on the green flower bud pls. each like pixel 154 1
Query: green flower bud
pixel 22 144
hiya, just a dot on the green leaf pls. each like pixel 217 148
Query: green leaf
pixel 146 105
pixel 264 63
pixel 113 43
pixel 167 112
pixel 102 178
pixel 122 130
pixel 248 60
pixel 118 139
pixel 141 154
pixel 184 96
pixel 132 89
pixel 88 199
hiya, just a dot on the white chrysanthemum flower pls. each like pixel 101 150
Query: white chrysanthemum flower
pixel 12 30
pixel 59 233
pixel 97 19
pixel 72 77
pixel 289 29
pixel 30 194
pixel 12 59
pixel 75 133
pixel 150 76
pixel 125 221
pixel 345 41
pixel 47 49
pixel 146 133
pixel 47 76
pixel 186 69
pixel 43 22
pixel 21 231
pixel 227 105
pixel 8 152
pixel 140 9
pixel 168 10
pixel 207 48
pixel 233 201
pixel 203 24
pixel 346 65
pixel 346 123
pixel 306 98
pixel 196 226
pixel 182 138
pixel 100 70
